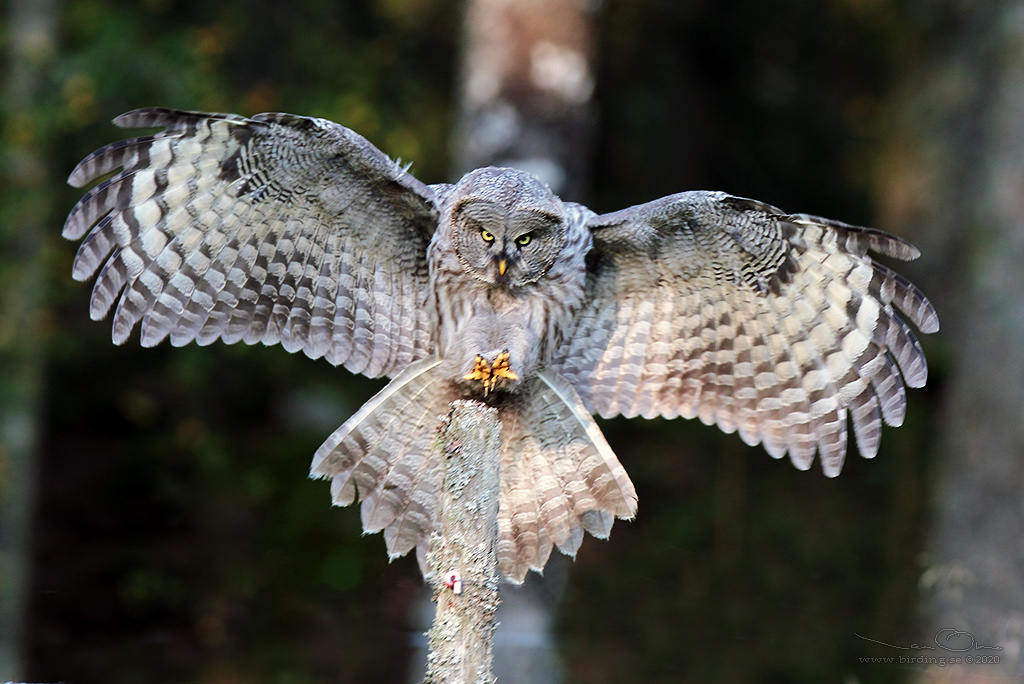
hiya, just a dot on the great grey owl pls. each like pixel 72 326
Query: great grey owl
pixel 282 228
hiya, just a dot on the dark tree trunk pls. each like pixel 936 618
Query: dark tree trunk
pixel 958 176
pixel 32 29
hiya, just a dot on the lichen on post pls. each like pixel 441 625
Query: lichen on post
pixel 462 558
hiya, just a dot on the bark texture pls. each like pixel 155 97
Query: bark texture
pixel 463 559
pixel 957 174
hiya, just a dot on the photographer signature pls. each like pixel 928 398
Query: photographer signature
pixel 943 635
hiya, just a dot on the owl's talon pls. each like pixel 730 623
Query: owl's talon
pixel 490 373
pixel 501 368
pixel 481 370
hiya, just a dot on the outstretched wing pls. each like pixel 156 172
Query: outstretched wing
pixel 277 228
pixel 777 325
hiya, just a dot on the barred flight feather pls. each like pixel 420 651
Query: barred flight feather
pixel 225 227
pixel 780 327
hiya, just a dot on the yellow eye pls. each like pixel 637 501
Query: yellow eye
pixel 487 235
pixel 523 240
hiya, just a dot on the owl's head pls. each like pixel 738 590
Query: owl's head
pixel 508 228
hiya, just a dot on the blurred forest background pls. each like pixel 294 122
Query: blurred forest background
pixel 157 524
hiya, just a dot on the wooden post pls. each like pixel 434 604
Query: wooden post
pixel 462 558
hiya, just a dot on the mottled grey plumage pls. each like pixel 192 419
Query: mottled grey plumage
pixel 287 229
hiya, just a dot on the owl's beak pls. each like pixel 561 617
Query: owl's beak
pixel 502 266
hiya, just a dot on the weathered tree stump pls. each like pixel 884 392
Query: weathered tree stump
pixel 462 558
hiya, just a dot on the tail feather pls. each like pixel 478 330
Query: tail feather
pixel 523 539
pixel 555 463
pixel 598 523
pixel 417 511
pixel 385 450
pixel 556 513
pixel 401 478
pixel 546 490
pixel 593 458
pixel 559 477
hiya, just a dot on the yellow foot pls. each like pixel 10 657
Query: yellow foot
pixel 491 373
